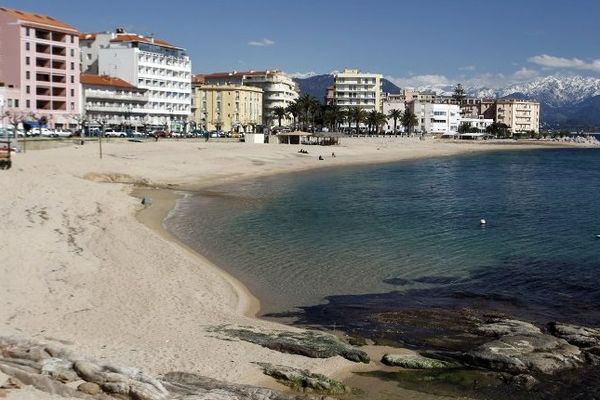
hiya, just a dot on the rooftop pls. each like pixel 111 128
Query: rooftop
pixel 37 19
pixel 120 37
pixel 240 74
pixel 105 80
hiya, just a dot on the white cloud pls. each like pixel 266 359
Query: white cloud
pixel 303 75
pixel 262 42
pixel 549 61
pixel 468 68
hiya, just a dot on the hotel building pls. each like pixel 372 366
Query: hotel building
pixel 393 102
pixel 519 115
pixel 279 90
pixel 226 107
pixel 353 88
pixel 436 118
pixel 160 68
pixel 113 102
pixel 39 56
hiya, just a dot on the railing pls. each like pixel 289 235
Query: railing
pixel 95 94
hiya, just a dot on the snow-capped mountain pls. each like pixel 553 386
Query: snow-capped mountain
pixel 554 91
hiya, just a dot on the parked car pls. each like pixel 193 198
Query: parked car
pixel 114 133
pixel 62 133
pixel 159 134
pixel 44 132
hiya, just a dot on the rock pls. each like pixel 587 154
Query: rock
pixel 411 361
pixel 304 380
pixel 147 201
pixel 579 336
pixel 499 327
pixel 526 354
pixel 524 381
pixel 89 388
pixel 61 370
pixel 308 343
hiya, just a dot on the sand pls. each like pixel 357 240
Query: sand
pixel 79 269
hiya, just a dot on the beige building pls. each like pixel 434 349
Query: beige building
pixel 226 107
pixel 519 115
pixel 353 88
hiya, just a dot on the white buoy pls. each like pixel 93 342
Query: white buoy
pixel 482 221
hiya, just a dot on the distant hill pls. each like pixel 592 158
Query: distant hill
pixel 317 85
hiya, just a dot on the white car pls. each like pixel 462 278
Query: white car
pixel 114 133
pixel 61 133
pixel 42 132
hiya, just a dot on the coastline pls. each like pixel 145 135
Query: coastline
pixel 90 260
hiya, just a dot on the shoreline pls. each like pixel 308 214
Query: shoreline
pixel 92 265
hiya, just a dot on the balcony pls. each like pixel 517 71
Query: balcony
pixel 133 97
pixel 42 48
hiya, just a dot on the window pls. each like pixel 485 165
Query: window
pixel 16 103
pixel 27 104
pixel 27 61
pixel 72 52
pixel 27 46
pixel 72 92
pixel 27 89
pixel 27 75
pixel 72 106
pixel 72 66
pixel 72 38
pixel 26 31
pixel 72 79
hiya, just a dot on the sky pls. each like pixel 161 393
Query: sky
pixel 413 43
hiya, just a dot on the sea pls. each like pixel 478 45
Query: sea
pixel 333 248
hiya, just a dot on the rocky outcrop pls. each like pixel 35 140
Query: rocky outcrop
pixel 579 336
pixel 72 376
pixel 303 380
pixel 306 343
pixel 412 361
pixel 499 327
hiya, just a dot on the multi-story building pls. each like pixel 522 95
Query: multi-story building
pixel 112 102
pixel 393 102
pixel 436 118
pixel 478 122
pixel 226 107
pixel 520 115
pixel 279 90
pixel 357 89
pixel 162 69
pixel 39 56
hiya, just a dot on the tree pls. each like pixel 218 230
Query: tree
pixel 375 119
pixel 358 115
pixel 498 129
pixel 409 120
pixel 308 106
pixel 294 110
pixel 333 115
pixel 279 113
pixel 459 94
pixel 395 115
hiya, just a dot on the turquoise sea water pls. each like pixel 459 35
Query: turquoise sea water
pixel 413 227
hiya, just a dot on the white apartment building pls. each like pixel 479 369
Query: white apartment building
pixel 435 118
pixel 353 88
pixel 279 90
pixel 112 102
pixel 519 115
pixel 393 102
pixel 480 123
pixel 160 68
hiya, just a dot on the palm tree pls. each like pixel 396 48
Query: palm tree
pixel 358 115
pixel 375 119
pixel 279 113
pixel 395 115
pixel 408 120
pixel 294 110
pixel 333 115
pixel 308 106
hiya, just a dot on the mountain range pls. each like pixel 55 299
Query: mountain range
pixel 566 102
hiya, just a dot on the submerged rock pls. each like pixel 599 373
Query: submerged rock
pixel 304 380
pixel 307 343
pixel 412 361
pixel 527 354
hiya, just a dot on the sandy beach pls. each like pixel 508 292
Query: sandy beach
pixel 86 266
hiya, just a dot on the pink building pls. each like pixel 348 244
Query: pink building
pixel 39 56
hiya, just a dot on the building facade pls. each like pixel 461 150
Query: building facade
pixel 436 118
pixel 39 56
pixel 160 68
pixel 112 102
pixel 520 115
pixel 279 90
pixel 226 107
pixel 393 102
pixel 480 123
pixel 353 88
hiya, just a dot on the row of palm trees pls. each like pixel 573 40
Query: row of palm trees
pixel 307 112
